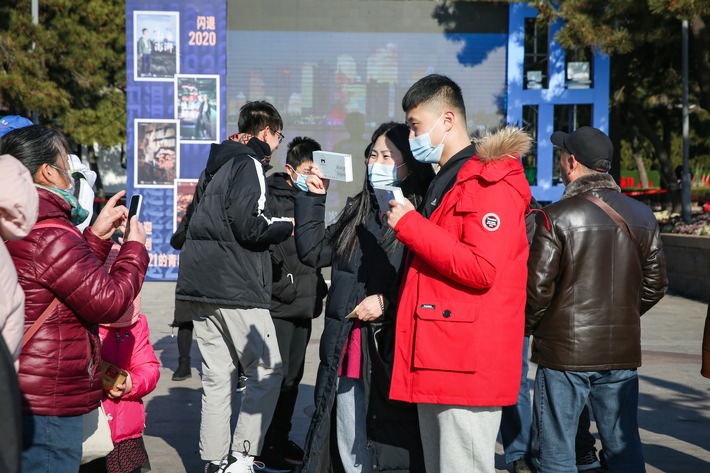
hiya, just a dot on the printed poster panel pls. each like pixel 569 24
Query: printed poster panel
pixel 196 106
pixel 171 44
pixel 156 44
pixel 156 162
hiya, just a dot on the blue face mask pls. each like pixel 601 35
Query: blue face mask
pixel 423 150
pixel 300 182
pixel 383 174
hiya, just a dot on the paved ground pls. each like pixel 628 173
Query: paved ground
pixel 674 405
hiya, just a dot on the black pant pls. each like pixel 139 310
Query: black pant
pixel 293 337
pixel 584 441
pixel 10 413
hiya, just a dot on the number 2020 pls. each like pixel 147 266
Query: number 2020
pixel 202 38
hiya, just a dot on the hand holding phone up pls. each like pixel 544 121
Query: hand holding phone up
pixel 134 229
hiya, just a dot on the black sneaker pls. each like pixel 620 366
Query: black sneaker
pixel 291 452
pixel 272 462
pixel 588 462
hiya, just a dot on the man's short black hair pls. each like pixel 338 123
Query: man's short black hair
pixel 257 115
pixel 145 29
pixel 436 90
pixel 300 150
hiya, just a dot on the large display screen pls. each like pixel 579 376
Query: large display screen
pixel 335 70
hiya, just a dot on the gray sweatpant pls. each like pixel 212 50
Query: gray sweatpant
pixel 459 438
pixel 227 336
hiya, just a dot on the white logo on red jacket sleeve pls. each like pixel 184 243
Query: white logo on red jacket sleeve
pixel 491 222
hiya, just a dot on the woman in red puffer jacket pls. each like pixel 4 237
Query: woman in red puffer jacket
pixel 59 366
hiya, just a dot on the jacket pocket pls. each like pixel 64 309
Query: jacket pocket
pixel 262 269
pixel 445 336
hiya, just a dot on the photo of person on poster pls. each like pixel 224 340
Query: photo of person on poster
pixel 156 163
pixel 156 46
pixel 197 107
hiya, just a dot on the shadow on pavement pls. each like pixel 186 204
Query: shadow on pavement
pixel 175 418
pixel 677 412
pixel 173 411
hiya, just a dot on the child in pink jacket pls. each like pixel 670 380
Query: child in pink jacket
pixel 126 344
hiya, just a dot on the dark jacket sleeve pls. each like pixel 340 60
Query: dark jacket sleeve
pixel 544 259
pixel 248 217
pixel 312 238
pixel 177 241
pixel 283 287
pixel 655 281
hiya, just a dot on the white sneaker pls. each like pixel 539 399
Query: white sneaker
pixel 244 464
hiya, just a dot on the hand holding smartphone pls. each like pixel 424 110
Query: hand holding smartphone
pixel 134 208
pixel 384 194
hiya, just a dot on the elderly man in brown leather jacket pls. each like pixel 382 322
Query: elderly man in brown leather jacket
pixel 596 265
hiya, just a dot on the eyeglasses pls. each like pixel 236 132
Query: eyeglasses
pixel 280 135
pixel 68 173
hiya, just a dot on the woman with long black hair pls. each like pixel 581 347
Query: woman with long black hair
pixel 355 427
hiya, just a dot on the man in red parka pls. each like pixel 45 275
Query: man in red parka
pixel 461 311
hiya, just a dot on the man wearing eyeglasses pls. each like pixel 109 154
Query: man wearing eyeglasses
pixel 225 278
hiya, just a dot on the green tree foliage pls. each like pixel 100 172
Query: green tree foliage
pixel 643 39
pixel 70 68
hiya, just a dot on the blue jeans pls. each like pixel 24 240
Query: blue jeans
pixel 516 420
pixel 51 444
pixel 559 399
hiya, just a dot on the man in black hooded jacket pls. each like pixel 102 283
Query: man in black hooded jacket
pixel 225 276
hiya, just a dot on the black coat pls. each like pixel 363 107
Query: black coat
pixel 393 428
pixel 225 259
pixel 297 290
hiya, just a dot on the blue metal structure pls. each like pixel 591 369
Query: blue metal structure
pixel 546 98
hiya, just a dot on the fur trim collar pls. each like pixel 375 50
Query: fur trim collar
pixel 508 142
pixel 588 182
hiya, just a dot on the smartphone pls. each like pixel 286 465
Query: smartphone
pixel 134 208
pixel 384 194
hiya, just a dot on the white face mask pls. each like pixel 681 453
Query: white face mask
pixel 423 150
pixel 70 188
pixel 383 174
pixel 85 192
